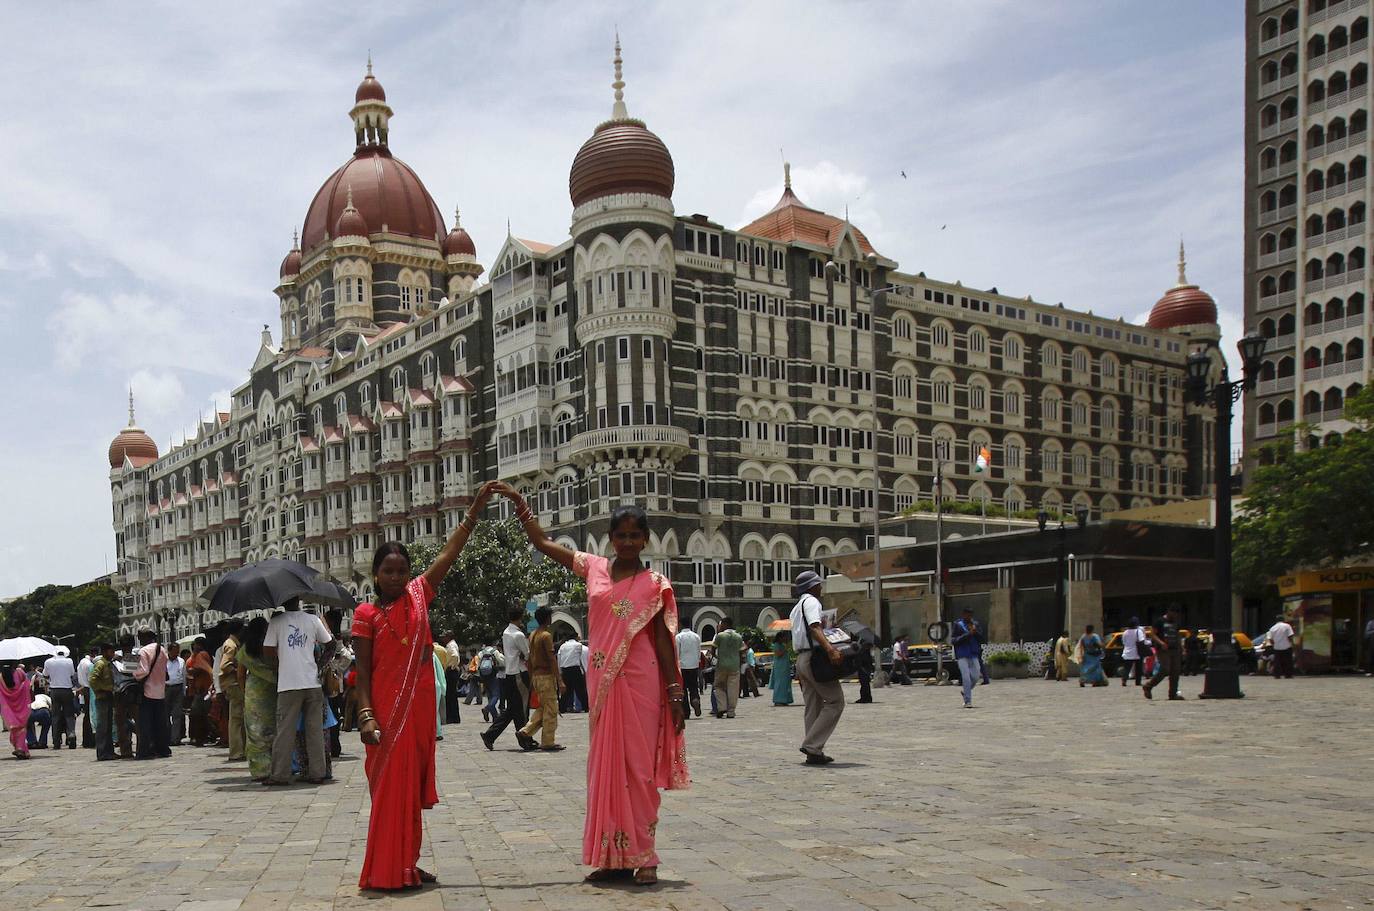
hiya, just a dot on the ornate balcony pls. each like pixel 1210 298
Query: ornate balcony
pixel 645 440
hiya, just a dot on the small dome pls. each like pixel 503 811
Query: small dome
pixel 622 156
pixel 369 89
pixel 291 265
pixel 351 222
pixel 1184 304
pixel 132 442
pixel 459 241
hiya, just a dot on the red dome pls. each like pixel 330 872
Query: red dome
pixel 1183 305
pixel 369 89
pixel 350 224
pixel 291 265
pixel 459 241
pixel 622 156
pixel 133 443
pixel 387 193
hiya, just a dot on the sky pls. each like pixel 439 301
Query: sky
pixel 157 158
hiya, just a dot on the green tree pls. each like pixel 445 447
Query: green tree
pixel 1309 507
pixel 77 616
pixel 496 571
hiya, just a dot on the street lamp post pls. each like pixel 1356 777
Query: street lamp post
pixel 1222 680
pixel 1080 514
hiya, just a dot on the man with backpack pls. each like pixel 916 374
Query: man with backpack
pixel 490 672
pixel 153 734
pixel 128 691
pixel 102 701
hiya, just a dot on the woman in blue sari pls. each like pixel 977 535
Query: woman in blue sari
pixel 782 669
pixel 1090 668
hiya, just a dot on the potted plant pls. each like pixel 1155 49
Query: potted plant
pixel 1014 663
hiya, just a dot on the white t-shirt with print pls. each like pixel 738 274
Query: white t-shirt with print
pixel 295 634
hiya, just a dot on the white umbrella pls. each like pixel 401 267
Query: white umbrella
pixel 21 648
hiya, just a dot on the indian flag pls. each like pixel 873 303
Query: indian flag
pixel 984 459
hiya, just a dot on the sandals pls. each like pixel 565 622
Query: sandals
pixel 606 874
pixel 646 876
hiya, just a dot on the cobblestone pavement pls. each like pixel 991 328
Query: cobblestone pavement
pixel 1045 796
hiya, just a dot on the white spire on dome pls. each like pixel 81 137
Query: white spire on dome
pixel 618 110
pixel 131 405
pixel 1182 265
pixel 295 239
pixel 369 61
pixel 348 206
pixel 457 218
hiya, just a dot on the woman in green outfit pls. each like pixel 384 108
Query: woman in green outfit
pixel 259 700
pixel 782 669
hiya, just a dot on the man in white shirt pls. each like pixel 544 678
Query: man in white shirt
pixel 1135 648
pixel 824 699
pixel 176 696
pixel 1281 637
pixel 574 681
pixel 689 661
pixel 83 695
pixel 516 649
pixel 61 674
pixel 290 645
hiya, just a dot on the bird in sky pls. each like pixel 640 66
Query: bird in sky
pixel 942 227
pixel 904 175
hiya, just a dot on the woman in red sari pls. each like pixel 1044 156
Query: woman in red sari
pixel 636 719
pixel 396 705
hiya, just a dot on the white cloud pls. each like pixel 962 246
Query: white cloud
pixel 157 393
pixel 133 329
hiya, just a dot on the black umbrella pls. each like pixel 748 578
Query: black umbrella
pixel 859 632
pixel 270 583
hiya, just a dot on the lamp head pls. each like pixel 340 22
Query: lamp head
pixel 1251 350
pixel 871 260
pixel 1199 365
pixel 832 271
pixel 1080 513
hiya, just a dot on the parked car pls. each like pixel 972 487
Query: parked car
pixel 922 663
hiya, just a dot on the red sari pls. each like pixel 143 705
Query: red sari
pixel 400 769
pixel 634 748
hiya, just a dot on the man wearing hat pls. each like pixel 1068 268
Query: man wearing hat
pixel 968 651
pixel 61 674
pixel 824 700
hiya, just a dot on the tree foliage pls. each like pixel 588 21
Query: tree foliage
pixel 1310 507
pixel 78 616
pixel 497 570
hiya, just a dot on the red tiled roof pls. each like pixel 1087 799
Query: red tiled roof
pixel 332 434
pixel 535 246
pixel 358 423
pixel 308 444
pixel 141 461
pixel 312 351
pixel 792 220
pixel 419 397
pixel 390 409
pixel 455 384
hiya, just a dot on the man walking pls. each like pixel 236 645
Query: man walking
pixel 227 680
pixel 729 656
pixel 574 683
pixel 545 683
pixel 968 653
pixel 83 695
pixel 102 701
pixel 176 698
pixel 689 661
pixel 1167 654
pixel 453 678
pixel 515 649
pixel 1280 636
pixel 290 645
pixel 1063 648
pixel 61 674
pixel 824 700
pixel 490 672
pixel 1135 648
pixel 152 709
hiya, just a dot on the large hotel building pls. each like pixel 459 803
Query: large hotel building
pixel 1306 212
pixel 742 383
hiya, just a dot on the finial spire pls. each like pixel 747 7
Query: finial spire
pixel 349 204
pixel 787 175
pixel 618 110
pixel 295 239
pixel 369 61
pixel 457 218
pixel 131 405
pixel 1182 264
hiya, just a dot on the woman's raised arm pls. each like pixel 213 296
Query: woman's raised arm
pixel 454 546
pixel 530 524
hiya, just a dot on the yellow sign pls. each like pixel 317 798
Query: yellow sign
pixel 1348 579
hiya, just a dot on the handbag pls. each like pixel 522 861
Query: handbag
pixel 851 652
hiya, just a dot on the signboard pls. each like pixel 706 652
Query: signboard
pixel 936 632
pixel 1348 579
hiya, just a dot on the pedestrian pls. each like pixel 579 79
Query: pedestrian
pixel 128 694
pixel 967 653
pixel 228 682
pixel 1062 650
pixel 865 672
pixel 688 644
pixel 1369 647
pixel 491 671
pixel 781 680
pixel 901 671
pixel 545 683
pixel 730 652
pixel 153 738
pixel 1166 641
pixel 350 715
pixel 1135 648
pixel 61 676
pixel 982 663
pixel 102 701
pixel 259 680
pixel 636 719
pixel 1280 636
pixel 199 692
pixel 453 678
pixel 83 695
pixel 176 697
pixel 515 650
pixel 397 700
pixel 332 679
pixel 16 703
pixel 289 644
pixel 824 698
pixel 440 662
pixel 748 680
pixel 574 681
pixel 472 682
pixel 1090 665
pixel 40 721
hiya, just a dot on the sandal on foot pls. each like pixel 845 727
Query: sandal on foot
pixel 426 877
pixel 607 874
pixel 646 876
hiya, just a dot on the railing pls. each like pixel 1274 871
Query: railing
pixel 529 397
pixel 1311 373
pixel 1264 430
pixel 521 463
pixel 1334 414
pixel 523 337
pixel 640 436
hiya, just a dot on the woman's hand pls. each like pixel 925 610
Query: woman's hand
pixel 370 732
pixel 679 718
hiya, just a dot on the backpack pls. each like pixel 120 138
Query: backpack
pixel 486 667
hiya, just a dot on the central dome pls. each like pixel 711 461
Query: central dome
pixel 386 192
pixel 1184 304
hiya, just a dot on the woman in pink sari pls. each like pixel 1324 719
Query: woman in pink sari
pixel 15 698
pixel 397 705
pixel 636 718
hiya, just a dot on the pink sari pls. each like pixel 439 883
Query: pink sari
pixel 634 750
pixel 400 769
pixel 14 706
